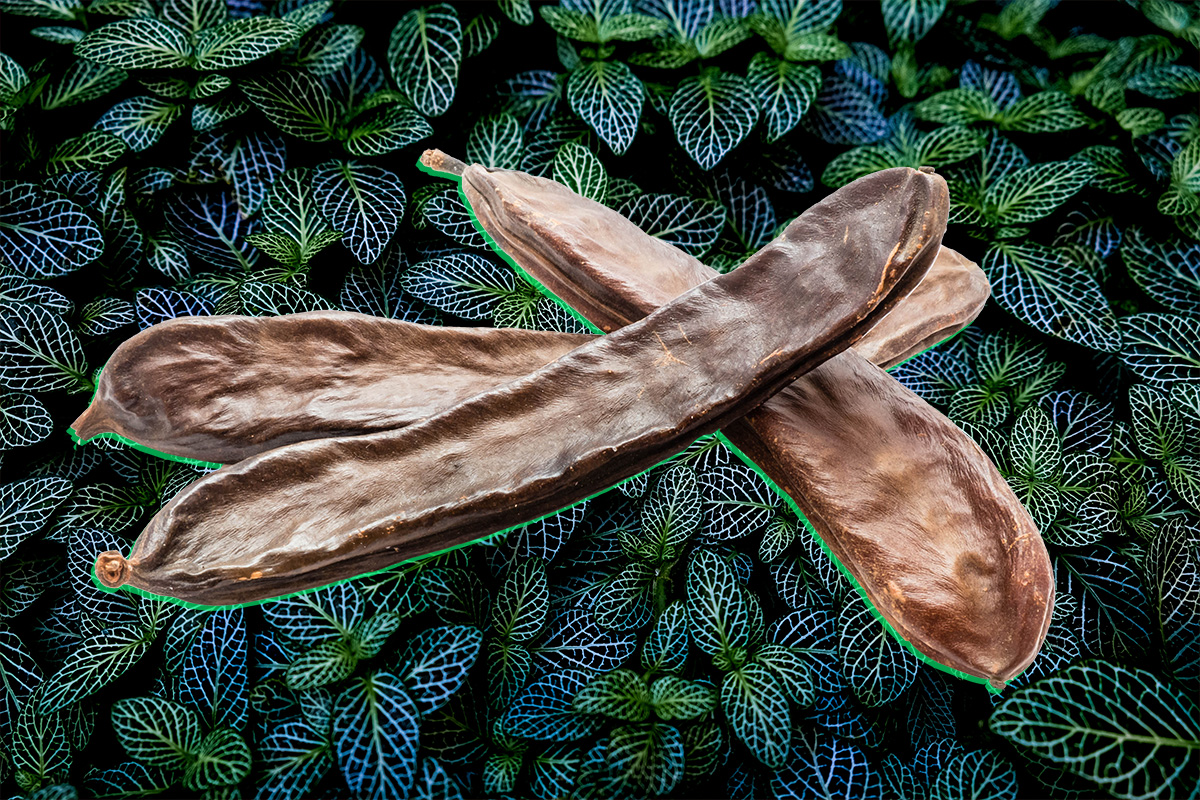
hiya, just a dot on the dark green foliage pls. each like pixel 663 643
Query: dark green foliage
pixel 683 634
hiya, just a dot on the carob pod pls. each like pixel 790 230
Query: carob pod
pixel 319 511
pixel 906 501
pixel 212 389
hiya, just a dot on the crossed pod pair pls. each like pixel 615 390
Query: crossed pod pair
pixel 353 443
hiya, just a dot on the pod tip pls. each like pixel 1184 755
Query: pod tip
pixel 440 162
pixel 927 170
pixel 112 569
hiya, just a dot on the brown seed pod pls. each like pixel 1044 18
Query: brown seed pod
pixel 906 501
pixel 311 513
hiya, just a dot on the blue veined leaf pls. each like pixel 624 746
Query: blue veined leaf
pixel 377 289
pixel 778 537
pixel 910 20
pixel 930 712
pixel 1084 423
pixel 329 613
pixel 222 759
pixel 780 166
pixel 215 677
pixel 936 374
pixel 21 677
pixel 976 774
pixel 445 209
pixel 99 660
pixel 800 17
pixel 1120 728
pixel 209 224
pixel 751 215
pixel 296 102
pixel 666 645
pixel 933 756
pixel 464 284
pixel 621 694
pixel 104 315
pixel 546 537
pixel 824 766
pixel 424 54
pixel 717 607
pixel 574 641
pixel 156 732
pixel 843 113
pixel 136 44
pixel 898 779
pixel 1090 229
pixel 1042 287
pixel 711 114
pixel 670 515
pixel 578 168
pixel 1169 274
pixel 21 583
pixel 541 149
pixel 796 582
pixel 1112 619
pixel 552 773
pixel 26 506
pixel 737 502
pixel 155 305
pixel 254 162
pixel 813 633
pixel 648 755
pixel 509 666
pixel 1173 576
pixel 856 73
pixel 784 89
pixel 791 670
pixel 359 77
pixel 15 289
pixel 878 668
pixel 520 610
pixel 434 783
pixel 608 96
pixel 44 234
pixel 1162 348
pixel 96 608
pixel 376 727
pixel 180 635
pixel 1002 87
pixel 295 758
pixel 543 709
pixel 39 351
pixel 436 662
pixel 496 141
pixel 534 93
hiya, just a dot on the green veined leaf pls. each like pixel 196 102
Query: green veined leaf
pixel 83 81
pixel 620 694
pixel 222 759
pixel 1032 193
pixel 40 745
pixel 290 209
pixel 857 162
pixel 104 315
pixel 572 23
pixel 523 603
pixel 608 96
pixel 648 755
pixel 946 145
pixel 242 41
pixel 156 732
pixel 44 234
pixel 519 11
pixel 757 710
pixel 385 128
pixel 363 201
pixel 1044 112
pixel 1183 476
pixel 711 114
pixel 1039 286
pixel 878 668
pixel 424 54
pixel 296 102
pixel 1173 576
pixel 1162 348
pixel 96 662
pixel 1120 728
pixel 1140 121
pixel 785 91
pixel 1157 427
pixel 323 51
pixel 957 107
pixel 139 121
pixel 194 15
pixel 666 646
pixel 93 150
pixel 675 698
pixel 39 351
pixel 717 608
pixel 295 758
pixel 46 9
pixel 496 141
pixel 578 168
pixel 910 20
pixel 321 665
pixel 25 508
pixel 136 44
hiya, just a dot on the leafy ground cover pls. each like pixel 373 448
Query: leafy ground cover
pixel 682 634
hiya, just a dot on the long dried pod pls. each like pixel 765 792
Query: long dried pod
pixel 319 511
pixel 222 388
pixel 905 501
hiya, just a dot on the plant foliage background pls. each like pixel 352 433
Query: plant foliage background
pixel 681 635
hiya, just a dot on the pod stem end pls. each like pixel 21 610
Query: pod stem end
pixel 112 569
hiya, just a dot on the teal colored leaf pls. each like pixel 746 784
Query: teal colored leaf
pixel 296 102
pixel 1042 287
pixel 671 514
pixel 877 666
pixel 96 662
pixel 464 284
pixel 436 662
pixel 1120 728
pixel 43 233
pixel 821 765
pixel 93 150
pixel 1162 348
pixel 329 613
pixel 39 745
pixel 624 602
pixel 447 212
pixel 799 17
pixel 40 353
pixel 424 54
pixel 136 44
pixel 241 41
pixel 523 602
pixel 757 709
pixel 845 113
pixel 1029 194
pixel 129 778
pixel 791 670
pixel 496 141
pixel 675 698
pixel 216 677
pixel 543 709
pixel 294 759
pixel 648 755
pixel 737 502
pixel 21 677
pixel 711 114
pixel 1112 618
pixel 1169 274
pixel 156 732
pixel 575 640
pixel 139 121
pixel 976 774
pixel 552 773
pixel 376 727
pixel 578 168
pixel 222 759
pixel 717 609
pixel 689 224
pixel 666 645
pixel 608 96
pixel 25 508
pixel 910 20
pixel 23 421
pixel 785 91
pixel 620 694
pixel 1158 428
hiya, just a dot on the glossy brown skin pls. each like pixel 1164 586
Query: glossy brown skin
pixel 319 511
pixel 905 500
pixel 953 293
pixel 217 389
